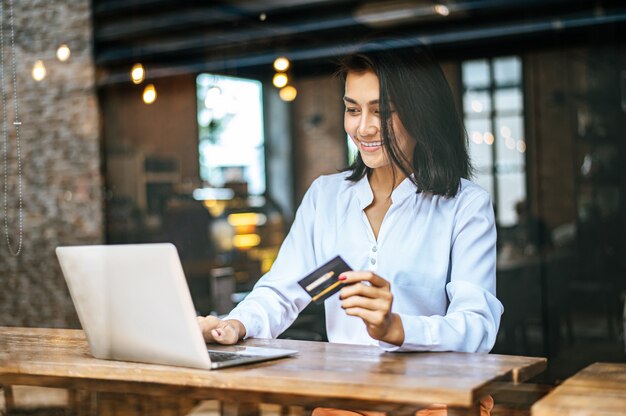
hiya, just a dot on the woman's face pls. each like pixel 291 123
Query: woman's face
pixel 362 120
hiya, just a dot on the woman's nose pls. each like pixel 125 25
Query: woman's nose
pixel 367 126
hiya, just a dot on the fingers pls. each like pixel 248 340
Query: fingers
pixel 364 290
pixel 225 334
pixel 363 276
pixel 372 318
pixel 372 304
pixel 215 330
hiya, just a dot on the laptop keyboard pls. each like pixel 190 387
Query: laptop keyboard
pixel 218 357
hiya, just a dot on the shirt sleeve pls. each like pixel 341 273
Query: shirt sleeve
pixel 473 315
pixel 277 299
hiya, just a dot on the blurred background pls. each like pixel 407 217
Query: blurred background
pixel 158 120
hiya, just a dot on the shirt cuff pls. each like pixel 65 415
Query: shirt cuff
pixel 417 335
pixel 248 321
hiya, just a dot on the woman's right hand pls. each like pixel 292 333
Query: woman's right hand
pixel 220 331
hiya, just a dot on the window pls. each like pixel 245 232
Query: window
pixel 230 125
pixel 352 150
pixel 494 117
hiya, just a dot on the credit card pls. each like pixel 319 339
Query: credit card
pixel 324 281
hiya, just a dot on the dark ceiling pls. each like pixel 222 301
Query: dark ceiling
pixel 244 36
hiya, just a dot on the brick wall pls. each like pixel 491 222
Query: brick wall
pixel 61 160
pixel 552 79
pixel 319 138
pixel 167 127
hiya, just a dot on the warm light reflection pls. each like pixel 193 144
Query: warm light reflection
pixel 246 218
pixel 488 138
pixel 477 106
pixel 506 132
pixel 477 137
pixel 39 71
pixel 149 94
pixel 280 80
pixel 441 9
pixel 521 146
pixel 63 53
pixel 245 241
pixel 262 17
pixel 281 64
pixel 288 93
pixel 510 143
pixel 215 207
pixel 137 74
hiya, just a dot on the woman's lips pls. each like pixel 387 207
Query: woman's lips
pixel 370 146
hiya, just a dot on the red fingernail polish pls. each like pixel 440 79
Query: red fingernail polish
pixel 342 277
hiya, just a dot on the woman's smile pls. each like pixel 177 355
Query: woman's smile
pixel 370 146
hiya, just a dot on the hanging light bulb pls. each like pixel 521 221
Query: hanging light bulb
pixel 280 80
pixel 288 93
pixel 281 64
pixel 63 52
pixel 39 71
pixel 149 94
pixel 137 74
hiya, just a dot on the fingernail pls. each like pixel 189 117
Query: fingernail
pixel 342 277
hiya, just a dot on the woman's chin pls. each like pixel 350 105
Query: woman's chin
pixel 373 163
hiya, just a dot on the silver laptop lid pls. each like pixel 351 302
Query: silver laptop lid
pixel 134 304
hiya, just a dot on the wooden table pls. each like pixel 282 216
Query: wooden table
pixel 323 374
pixel 599 389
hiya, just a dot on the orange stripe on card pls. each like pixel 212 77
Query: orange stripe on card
pixel 325 291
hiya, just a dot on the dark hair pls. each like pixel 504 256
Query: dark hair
pixel 414 82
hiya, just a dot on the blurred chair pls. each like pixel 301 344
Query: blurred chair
pixel 222 284
pixel 520 291
pixel 598 278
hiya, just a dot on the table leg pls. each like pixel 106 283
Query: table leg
pixel 9 401
pixel 81 403
pixel 117 404
pixel 239 409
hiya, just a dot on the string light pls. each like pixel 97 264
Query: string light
pixel 137 74
pixel 39 71
pixel 280 80
pixel 149 94
pixel 288 93
pixel 281 64
pixel 63 52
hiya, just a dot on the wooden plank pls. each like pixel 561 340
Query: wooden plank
pixel 599 389
pixel 346 376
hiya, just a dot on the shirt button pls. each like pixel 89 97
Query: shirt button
pixel 373 261
pixel 374 249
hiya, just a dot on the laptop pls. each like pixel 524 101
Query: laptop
pixel 134 305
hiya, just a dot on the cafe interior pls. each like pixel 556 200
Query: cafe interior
pixel 204 123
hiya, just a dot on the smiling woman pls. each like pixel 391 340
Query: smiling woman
pixel 419 236
pixel 403 99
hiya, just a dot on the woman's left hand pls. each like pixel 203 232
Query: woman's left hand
pixel 372 303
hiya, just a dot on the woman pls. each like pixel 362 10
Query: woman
pixel 419 235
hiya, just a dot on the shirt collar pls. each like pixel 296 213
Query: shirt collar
pixel 365 196
pixel 405 189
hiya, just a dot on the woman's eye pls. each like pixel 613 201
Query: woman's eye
pixel 352 110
